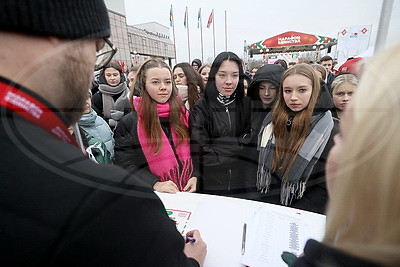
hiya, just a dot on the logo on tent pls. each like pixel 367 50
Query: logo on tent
pixel 354 35
pixel 344 32
pixel 364 31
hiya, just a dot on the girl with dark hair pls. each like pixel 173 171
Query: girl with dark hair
pixel 153 141
pixel 220 124
pixel 294 142
pixel 111 101
pixel 187 82
pixel 263 92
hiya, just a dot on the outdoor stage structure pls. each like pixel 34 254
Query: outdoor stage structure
pixel 290 46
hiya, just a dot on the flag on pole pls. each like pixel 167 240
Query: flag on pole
pixel 171 17
pixel 199 18
pixel 185 18
pixel 210 19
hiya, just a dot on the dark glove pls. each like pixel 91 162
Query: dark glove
pixel 288 258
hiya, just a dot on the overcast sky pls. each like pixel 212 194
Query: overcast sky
pixel 254 21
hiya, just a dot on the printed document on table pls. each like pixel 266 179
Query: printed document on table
pixel 271 231
pixel 181 219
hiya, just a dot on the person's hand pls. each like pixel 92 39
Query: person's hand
pixel 196 250
pixel 165 187
pixel 116 114
pixel 191 185
pixel 112 123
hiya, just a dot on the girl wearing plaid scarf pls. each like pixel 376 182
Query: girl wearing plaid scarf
pixel 294 141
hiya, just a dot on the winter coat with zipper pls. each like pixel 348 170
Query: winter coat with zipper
pixel 218 135
pixel 128 152
pixel 98 128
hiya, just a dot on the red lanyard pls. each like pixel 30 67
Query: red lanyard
pixel 34 111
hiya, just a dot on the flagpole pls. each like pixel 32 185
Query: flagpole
pixel 226 35
pixel 201 37
pixel 173 33
pixel 213 20
pixel 187 29
pixel 384 22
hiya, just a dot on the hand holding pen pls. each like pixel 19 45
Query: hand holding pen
pixel 190 239
pixel 195 247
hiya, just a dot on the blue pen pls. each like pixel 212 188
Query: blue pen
pixel 190 239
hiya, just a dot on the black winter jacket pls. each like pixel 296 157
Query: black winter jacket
pixel 59 208
pixel 218 135
pixel 128 152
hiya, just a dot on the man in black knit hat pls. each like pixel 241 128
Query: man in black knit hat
pixel 56 206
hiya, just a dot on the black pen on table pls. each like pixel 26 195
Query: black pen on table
pixel 244 238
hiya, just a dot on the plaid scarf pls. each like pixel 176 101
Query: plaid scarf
pixel 322 125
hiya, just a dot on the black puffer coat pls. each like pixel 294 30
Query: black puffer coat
pixel 128 152
pixel 218 135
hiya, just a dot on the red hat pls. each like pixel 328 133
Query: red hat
pixel 353 65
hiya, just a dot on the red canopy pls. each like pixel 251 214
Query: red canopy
pixel 292 42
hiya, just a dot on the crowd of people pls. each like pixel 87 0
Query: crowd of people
pixel 202 131
pixel 95 148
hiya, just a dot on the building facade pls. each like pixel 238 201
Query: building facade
pixel 150 40
pixel 136 43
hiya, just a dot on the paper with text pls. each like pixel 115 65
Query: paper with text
pixel 271 231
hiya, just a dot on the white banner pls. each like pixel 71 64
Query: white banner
pixel 353 40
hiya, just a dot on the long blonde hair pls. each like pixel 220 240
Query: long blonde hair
pixel 148 107
pixel 363 215
pixel 288 144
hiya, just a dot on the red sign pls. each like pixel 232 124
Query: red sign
pixel 364 31
pixel 290 39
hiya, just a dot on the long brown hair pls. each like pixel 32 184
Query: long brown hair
pixel 289 143
pixel 194 81
pixel 148 107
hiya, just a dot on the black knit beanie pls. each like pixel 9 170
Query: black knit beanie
pixel 69 19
